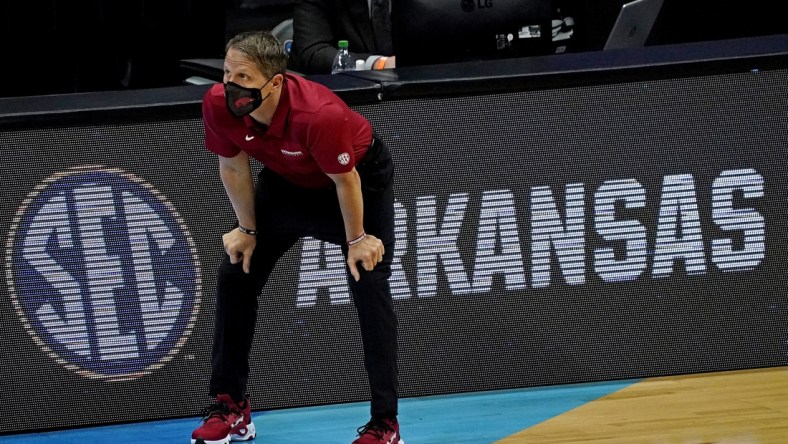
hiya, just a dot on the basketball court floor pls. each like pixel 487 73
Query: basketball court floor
pixel 735 407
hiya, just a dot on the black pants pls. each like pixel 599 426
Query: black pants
pixel 286 213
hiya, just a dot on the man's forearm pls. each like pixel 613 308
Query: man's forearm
pixel 351 204
pixel 239 186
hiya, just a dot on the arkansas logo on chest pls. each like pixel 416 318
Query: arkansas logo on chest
pixel 292 150
pixel 282 150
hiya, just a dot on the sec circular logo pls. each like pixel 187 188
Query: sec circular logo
pixel 103 273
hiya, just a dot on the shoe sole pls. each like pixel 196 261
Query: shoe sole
pixel 251 433
pixel 204 441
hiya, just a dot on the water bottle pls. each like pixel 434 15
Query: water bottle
pixel 343 61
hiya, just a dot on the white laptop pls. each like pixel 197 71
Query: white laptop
pixel 633 24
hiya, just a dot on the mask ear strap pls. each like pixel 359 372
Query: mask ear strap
pixel 268 81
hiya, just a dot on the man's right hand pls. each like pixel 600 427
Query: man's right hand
pixel 239 246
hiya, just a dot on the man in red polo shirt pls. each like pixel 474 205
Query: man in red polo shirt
pixel 325 175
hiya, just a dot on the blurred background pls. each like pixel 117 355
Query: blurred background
pixel 60 47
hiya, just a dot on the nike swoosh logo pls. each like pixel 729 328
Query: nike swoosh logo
pixel 248 138
pixel 393 439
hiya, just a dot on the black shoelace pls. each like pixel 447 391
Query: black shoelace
pixel 376 427
pixel 220 409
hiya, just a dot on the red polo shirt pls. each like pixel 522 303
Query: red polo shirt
pixel 313 133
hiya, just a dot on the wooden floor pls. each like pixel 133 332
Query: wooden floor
pixel 738 407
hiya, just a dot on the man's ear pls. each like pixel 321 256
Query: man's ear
pixel 278 80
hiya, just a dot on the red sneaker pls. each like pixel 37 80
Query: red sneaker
pixel 245 430
pixel 379 431
pixel 224 421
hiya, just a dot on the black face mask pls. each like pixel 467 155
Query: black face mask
pixel 242 101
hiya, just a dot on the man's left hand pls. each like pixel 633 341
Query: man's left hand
pixel 369 252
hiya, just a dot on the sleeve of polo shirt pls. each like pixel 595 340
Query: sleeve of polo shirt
pixel 329 140
pixel 215 141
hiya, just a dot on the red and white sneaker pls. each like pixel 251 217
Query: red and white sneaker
pixel 245 430
pixel 379 431
pixel 223 421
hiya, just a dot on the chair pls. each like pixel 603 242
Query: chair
pixel 284 33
